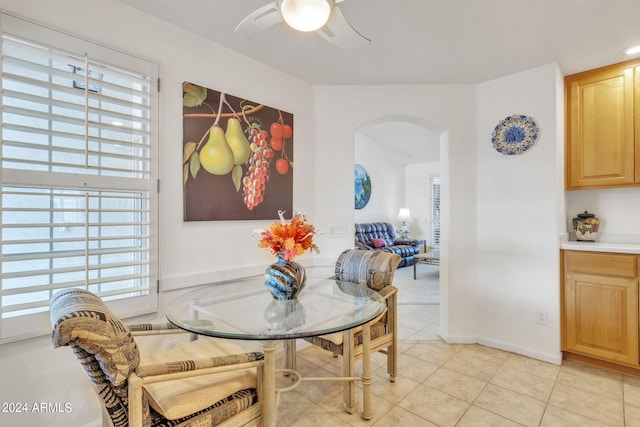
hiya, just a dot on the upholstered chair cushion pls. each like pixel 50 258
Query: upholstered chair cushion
pixel 373 269
pixel 182 397
pixel 108 353
pixel 85 321
pixel 337 338
pixel 367 268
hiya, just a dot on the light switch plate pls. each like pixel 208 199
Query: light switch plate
pixel 337 230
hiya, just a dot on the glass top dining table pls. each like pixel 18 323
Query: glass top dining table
pixel 245 310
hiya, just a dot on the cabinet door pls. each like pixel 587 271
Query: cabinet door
pixel 602 317
pixel 637 124
pixel 600 128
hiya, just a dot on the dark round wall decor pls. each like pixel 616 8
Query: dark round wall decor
pixel 514 135
pixel 362 186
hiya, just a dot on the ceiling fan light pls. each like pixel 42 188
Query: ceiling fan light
pixel 305 15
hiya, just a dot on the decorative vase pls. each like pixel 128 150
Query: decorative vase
pixel 285 279
pixel 586 226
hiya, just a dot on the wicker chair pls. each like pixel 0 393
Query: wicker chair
pixel 375 270
pixel 203 383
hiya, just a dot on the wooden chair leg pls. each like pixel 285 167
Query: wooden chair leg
pixel 348 370
pixel 392 351
pixel 392 362
pixel 366 372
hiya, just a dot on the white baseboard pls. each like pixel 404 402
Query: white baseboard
pixel 556 359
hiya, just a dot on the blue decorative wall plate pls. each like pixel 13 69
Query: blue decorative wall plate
pixel 514 135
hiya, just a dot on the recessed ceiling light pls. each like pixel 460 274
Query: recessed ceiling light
pixel 632 50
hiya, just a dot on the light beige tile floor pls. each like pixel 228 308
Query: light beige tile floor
pixel 462 385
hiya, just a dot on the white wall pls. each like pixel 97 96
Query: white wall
pixel 418 197
pixel 617 208
pixel 517 223
pixel 190 253
pixel 387 182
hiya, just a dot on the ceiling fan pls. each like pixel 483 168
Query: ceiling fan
pixel 322 16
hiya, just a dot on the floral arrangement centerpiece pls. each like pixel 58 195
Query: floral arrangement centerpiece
pixel 286 278
pixel 288 240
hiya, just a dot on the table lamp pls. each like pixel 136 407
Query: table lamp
pixel 404 216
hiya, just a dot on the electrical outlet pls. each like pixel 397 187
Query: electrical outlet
pixel 541 317
pixel 172 344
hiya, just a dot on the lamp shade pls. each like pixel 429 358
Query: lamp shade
pixel 305 15
pixel 405 215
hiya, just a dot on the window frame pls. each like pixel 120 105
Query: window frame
pixel 35 324
pixel 435 210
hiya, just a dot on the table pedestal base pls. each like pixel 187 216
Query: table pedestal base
pixel 271 394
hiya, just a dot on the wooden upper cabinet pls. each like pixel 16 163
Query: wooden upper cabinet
pixel 637 122
pixel 601 150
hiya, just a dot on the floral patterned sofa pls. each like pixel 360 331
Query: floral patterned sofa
pixel 381 236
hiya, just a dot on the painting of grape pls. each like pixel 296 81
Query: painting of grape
pixel 237 157
pixel 362 186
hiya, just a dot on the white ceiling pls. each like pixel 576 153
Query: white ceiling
pixel 425 41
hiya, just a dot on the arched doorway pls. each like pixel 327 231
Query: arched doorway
pixel 403 155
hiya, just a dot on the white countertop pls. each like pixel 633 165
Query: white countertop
pixel 616 245
pixel 627 248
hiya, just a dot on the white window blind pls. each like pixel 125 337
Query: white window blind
pixel 435 211
pixel 79 204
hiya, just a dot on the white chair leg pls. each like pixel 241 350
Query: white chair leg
pixel 366 372
pixel 348 370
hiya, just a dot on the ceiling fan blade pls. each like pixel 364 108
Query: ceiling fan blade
pixel 339 32
pixel 259 20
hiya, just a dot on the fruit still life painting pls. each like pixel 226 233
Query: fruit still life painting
pixel 237 157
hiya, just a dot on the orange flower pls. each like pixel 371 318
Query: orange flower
pixel 289 239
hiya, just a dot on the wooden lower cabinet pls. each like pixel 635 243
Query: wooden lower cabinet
pixel 600 306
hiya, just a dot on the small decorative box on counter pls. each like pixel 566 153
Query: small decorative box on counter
pixel 586 226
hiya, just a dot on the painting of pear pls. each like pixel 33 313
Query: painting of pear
pixel 238 143
pixel 216 157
